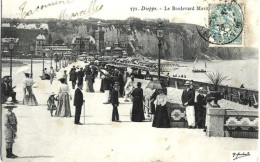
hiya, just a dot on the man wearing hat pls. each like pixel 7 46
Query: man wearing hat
pixel 10 124
pixel 200 110
pixel 114 102
pixel 187 97
pixel 80 76
pixel 7 89
pixel 78 102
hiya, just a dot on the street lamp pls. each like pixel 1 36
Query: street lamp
pixel 51 56
pixel 43 55
pixel 11 47
pixel 32 51
pixel 56 60
pixel 62 60
pixel 159 34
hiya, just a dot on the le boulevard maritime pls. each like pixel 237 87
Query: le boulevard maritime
pixel 181 8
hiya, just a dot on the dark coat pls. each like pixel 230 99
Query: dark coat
pixel 106 83
pixel 201 100
pixel 114 97
pixel 188 96
pixel 80 76
pixel 78 98
pixel 73 75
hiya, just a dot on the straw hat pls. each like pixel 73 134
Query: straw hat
pixel 9 104
pixel 187 83
pixel 52 94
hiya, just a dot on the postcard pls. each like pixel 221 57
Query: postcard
pixel 129 81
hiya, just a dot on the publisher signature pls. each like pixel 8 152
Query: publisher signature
pixel 240 155
pixel 92 8
pixel 29 12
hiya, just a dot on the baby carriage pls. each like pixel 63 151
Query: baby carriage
pixel 51 103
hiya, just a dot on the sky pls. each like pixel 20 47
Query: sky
pixel 121 9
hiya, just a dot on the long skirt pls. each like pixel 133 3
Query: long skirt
pixel 63 108
pixel 29 98
pixel 137 110
pixel 161 118
pixel 89 85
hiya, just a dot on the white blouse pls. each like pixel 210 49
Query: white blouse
pixel 161 99
pixel 64 88
pixel 28 82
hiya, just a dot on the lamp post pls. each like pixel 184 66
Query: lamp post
pixel 89 47
pixel 51 56
pixel 32 50
pixel 56 60
pixel 43 55
pixel 59 61
pixel 11 47
pixel 62 60
pixel 159 34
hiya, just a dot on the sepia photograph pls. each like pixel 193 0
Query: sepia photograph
pixel 129 81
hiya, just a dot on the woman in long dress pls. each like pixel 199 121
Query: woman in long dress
pixel 64 97
pixel 161 118
pixel 137 109
pixel 29 98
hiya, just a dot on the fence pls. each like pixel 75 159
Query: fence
pixel 250 96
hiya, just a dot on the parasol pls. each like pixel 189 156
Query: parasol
pixel 25 69
pixel 154 85
pixel 104 72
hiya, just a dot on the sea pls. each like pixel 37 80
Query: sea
pixel 237 71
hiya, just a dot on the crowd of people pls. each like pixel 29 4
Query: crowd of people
pixel 115 83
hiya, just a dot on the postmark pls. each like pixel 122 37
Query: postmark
pixel 225 25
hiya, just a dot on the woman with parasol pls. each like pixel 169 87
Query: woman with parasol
pixel 161 118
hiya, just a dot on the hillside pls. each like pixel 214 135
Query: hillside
pixel 181 41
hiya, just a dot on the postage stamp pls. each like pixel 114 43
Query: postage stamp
pixel 226 24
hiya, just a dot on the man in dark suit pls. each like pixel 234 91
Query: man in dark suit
pixel 187 97
pixel 114 102
pixel 73 77
pixel 78 102
pixel 200 110
pixel 80 76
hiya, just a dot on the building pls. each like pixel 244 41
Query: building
pixel 81 45
pixel 40 45
pixel 5 42
pixel 50 50
pixel 99 37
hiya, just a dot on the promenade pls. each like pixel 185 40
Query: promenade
pixel 45 138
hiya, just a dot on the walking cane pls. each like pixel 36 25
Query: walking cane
pixel 84 111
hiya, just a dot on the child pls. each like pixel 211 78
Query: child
pixel 115 103
pixel 10 125
pixel 51 103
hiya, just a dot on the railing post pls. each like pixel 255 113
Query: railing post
pixel 176 84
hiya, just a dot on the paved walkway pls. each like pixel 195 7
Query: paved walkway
pixel 45 138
